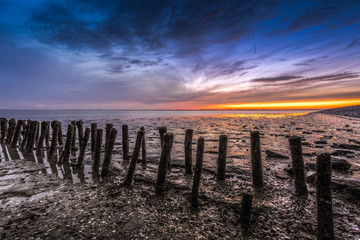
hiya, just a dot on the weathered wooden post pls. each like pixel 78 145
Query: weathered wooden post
pixel 80 127
pixel 4 129
pixel 44 131
pixel 256 164
pixel 108 153
pixel 73 142
pixel 29 134
pixel 222 157
pixel 165 154
pixel 26 133
pixel 96 165
pixel 12 126
pixel 2 120
pixel 197 174
pixel 325 229
pixel 37 134
pixel 125 142
pixel 168 164
pixel 67 150
pixel 47 134
pixel 60 134
pixel 298 165
pixel 134 158
pixel 162 131
pixel 108 128
pixel 93 136
pixel 31 141
pixel 17 133
pixel 83 149
pixel 245 211
pixel 52 124
pixel 143 147
pixel 188 151
pixel 54 140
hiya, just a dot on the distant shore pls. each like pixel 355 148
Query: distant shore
pixel 352 111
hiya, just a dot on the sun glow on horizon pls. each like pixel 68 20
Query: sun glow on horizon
pixel 290 105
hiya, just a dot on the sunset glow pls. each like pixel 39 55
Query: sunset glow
pixel 291 105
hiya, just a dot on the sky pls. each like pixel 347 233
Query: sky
pixel 179 54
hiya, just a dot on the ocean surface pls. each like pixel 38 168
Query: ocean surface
pixel 124 114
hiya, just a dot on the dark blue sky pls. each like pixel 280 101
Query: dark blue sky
pixel 81 54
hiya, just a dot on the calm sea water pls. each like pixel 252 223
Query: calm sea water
pixel 121 114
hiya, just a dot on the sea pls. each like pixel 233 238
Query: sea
pixel 123 114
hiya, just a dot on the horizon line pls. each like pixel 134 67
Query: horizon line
pixel 200 109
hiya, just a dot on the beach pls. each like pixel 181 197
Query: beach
pixel 59 202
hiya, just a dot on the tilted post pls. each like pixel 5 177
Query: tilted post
pixel 108 153
pixel 188 151
pixel 134 158
pixel 197 174
pixel 165 154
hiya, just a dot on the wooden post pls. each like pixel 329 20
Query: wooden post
pixel 80 127
pixel 12 126
pixel 134 158
pixel 60 133
pixel 29 134
pixel 168 164
pixel 108 153
pixel 188 151
pixel 298 165
pixel 2 120
pixel 96 165
pixel 31 141
pixel 37 134
pixel 93 136
pixel 83 149
pixel 256 164
pixel 67 150
pixel 52 124
pixel 222 157
pixel 25 134
pixel 4 129
pixel 54 140
pixel 245 211
pixel 73 142
pixel 162 171
pixel 162 131
pixel 47 134
pixel 325 229
pixel 197 174
pixel 44 131
pixel 108 128
pixel 143 147
pixel 17 133
pixel 125 142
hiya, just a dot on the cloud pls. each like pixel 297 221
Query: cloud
pixel 152 25
pixel 154 53
pixel 353 43
pixel 300 81
pixel 276 79
pixel 311 61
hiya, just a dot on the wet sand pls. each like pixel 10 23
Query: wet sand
pixel 66 207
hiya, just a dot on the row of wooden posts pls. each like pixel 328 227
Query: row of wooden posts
pixel 33 136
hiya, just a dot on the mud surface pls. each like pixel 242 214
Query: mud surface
pixel 40 199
